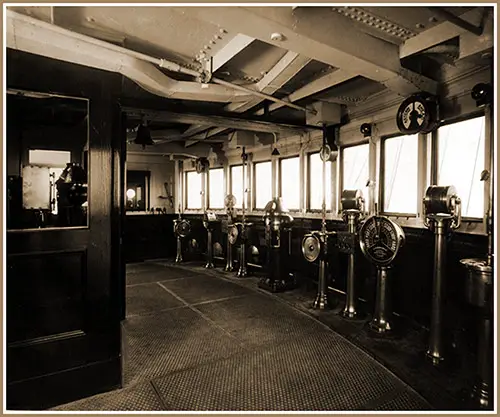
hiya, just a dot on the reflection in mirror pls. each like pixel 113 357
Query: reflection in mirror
pixel 47 161
pixel 138 190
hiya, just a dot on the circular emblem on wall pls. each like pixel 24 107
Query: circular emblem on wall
pixel 417 114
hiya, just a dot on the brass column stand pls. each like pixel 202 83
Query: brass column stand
pixel 352 216
pixel 178 257
pixel 435 350
pixel 442 213
pixel 382 318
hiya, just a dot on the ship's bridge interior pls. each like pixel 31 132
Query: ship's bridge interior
pixel 250 207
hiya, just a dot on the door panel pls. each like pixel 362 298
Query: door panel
pixel 63 298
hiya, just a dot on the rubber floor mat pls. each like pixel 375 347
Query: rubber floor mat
pixel 258 320
pixel 157 274
pixel 172 340
pixel 204 288
pixel 319 371
pixel 141 397
pixel 148 298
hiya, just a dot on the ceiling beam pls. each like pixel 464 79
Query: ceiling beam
pixel 193 130
pixel 286 68
pixel 323 35
pixel 457 20
pixel 215 120
pixel 316 86
pixel 230 50
pixel 438 34
pixel 471 44
pixel 167 134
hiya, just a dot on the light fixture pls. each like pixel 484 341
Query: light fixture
pixel 130 193
pixel 143 136
pixel 483 94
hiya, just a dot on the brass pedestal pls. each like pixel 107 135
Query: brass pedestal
pixel 381 322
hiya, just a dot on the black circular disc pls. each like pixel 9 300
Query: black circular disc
pixel 414 115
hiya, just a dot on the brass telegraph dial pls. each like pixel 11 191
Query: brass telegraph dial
pixel 417 114
pixel 380 240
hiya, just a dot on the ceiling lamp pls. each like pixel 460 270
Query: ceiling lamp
pixel 143 136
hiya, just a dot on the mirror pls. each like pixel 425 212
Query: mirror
pixel 47 161
pixel 137 192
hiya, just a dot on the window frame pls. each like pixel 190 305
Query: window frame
pixel 435 158
pixel 280 172
pixel 238 197
pixel 186 193
pixel 381 187
pixel 254 183
pixel 308 183
pixel 209 207
pixel 341 170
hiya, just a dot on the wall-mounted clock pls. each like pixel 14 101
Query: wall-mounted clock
pixel 418 114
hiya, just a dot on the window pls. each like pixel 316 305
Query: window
pixel 460 162
pixel 237 184
pixel 263 184
pixel 290 182
pixel 216 188
pixel 355 173
pixel 41 157
pixel 56 162
pixel 316 183
pixel 400 161
pixel 193 190
pixel 47 183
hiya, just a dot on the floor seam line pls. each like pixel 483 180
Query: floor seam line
pixel 157 393
pixel 205 317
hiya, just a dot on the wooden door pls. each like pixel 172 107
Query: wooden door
pixel 65 286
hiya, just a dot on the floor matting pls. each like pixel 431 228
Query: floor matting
pixel 195 341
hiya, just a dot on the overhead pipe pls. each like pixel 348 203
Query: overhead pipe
pixel 160 62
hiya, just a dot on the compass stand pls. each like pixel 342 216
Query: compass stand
pixel 442 213
pixel 381 321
